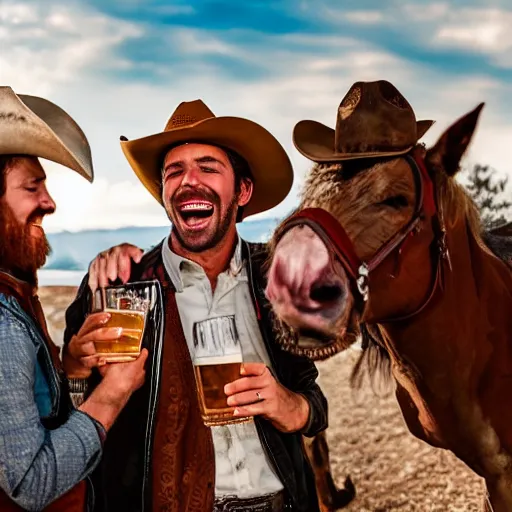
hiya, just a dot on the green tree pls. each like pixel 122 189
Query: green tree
pixel 488 192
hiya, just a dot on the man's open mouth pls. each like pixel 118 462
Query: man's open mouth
pixel 37 223
pixel 195 214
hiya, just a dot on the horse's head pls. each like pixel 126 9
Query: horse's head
pixel 375 255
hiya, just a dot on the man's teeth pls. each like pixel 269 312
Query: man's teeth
pixel 197 206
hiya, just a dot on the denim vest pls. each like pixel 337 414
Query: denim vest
pixel 47 381
pixel 46 446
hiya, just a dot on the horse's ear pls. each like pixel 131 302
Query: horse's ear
pixel 452 145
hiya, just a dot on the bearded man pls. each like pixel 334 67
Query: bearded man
pixel 208 173
pixel 47 448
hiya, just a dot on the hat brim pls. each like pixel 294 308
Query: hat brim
pixel 37 127
pixel 316 142
pixel 269 163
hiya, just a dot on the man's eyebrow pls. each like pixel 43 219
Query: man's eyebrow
pixel 172 164
pixel 200 160
pixel 209 159
pixel 37 180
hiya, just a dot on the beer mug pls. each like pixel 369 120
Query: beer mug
pixel 217 361
pixel 128 306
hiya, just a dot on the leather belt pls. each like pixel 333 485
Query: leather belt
pixel 274 502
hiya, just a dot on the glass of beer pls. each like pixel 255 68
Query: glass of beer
pixel 217 361
pixel 128 306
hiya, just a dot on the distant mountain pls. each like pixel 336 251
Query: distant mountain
pixel 74 251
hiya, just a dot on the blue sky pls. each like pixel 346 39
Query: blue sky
pixel 121 67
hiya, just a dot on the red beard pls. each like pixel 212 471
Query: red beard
pixel 20 252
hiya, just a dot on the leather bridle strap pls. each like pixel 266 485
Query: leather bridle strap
pixel 437 282
pixel 424 202
pixel 334 235
pixel 330 231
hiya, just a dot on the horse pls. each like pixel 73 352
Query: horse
pixel 393 249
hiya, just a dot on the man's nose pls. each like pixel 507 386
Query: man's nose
pixel 46 202
pixel 190 177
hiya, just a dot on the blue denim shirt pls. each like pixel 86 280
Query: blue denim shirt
pixel 37 465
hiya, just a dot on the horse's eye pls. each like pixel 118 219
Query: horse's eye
pixel 395 202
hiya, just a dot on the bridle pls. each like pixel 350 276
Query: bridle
pixel 335 237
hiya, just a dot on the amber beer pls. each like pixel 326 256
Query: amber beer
pixel 127 306
pixel 128 346
pixel 211 379
pixel 217 362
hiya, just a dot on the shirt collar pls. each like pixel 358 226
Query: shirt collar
pixel 174 264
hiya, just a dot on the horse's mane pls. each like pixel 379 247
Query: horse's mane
pixel 374 362
pixel 455 204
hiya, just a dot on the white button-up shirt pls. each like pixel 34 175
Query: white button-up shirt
pixel 241 466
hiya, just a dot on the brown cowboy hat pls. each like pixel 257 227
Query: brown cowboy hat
pixel 194 122
pixel 33 126
pixel 373 120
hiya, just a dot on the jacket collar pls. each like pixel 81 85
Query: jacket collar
pixel 14 286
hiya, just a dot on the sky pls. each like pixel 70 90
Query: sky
pixel 121 67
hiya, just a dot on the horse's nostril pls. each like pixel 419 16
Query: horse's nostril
pixel 325 292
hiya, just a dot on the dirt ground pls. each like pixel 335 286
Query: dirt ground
pixel 392 470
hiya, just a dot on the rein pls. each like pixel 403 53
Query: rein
pixel 332 233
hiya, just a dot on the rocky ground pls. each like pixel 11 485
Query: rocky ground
pixel 392 470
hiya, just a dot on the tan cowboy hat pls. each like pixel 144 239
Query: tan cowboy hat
pixel 373 120
pixel 194 122
pixel 37 127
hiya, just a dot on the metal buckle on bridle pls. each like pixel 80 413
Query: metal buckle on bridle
pixel 362 281
pixel 444 252
pixel 442 244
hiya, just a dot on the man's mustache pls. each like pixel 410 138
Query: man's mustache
pixel 39 213
pixel 195 194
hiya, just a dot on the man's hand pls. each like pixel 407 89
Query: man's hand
pixel 120 380
pixel 80 355
pixel 259 393
pixel 112 264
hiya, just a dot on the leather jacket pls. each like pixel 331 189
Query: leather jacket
pixel 123 482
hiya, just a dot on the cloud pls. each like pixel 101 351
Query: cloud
pixel 186 41
pixel 103 204
pixel 49 44
pixel 365 17
pixel 434 31
pixel 121 76
pixel 424 13
pixel 481 30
